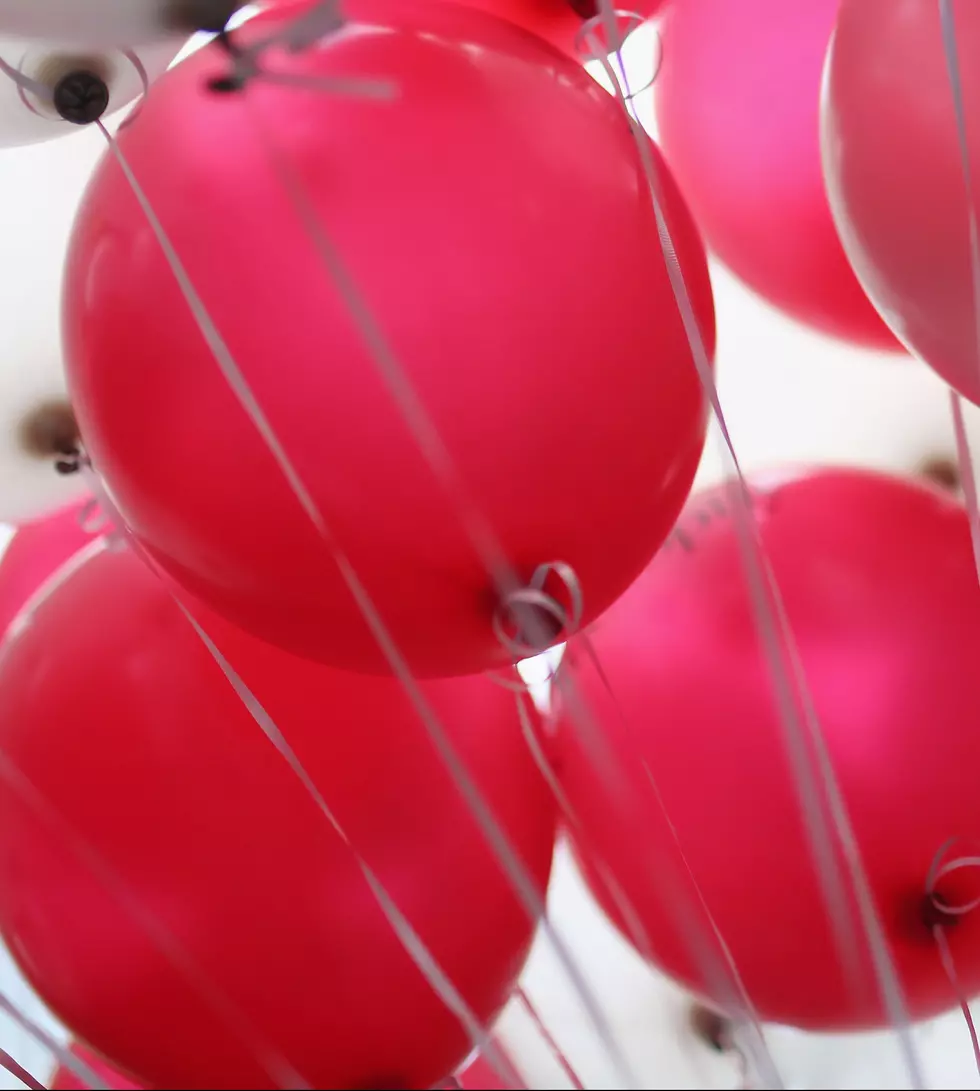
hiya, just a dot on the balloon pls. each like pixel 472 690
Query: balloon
pixel 480 1076
pixel 894 173
pixel 476 1076
pixel 103 82
pixel 35 552
pixel 573 428
pixel 151 761
pixel 111 23
pixel 737 110
pixel 879 585
pixel 561 22
pixel 66 1080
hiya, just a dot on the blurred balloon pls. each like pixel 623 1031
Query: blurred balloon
pixel 574 428
pixel 49 92
pixel 479 1075
pixel 111 23
pixel 37 551
pixel 147 757
pixel 736 102
pixel 66 1080
pixel 562 22
pixel 895 176
pixel 879 585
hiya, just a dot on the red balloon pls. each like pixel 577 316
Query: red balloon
pixel 894 173
pixel 561 22
pixel 481 1076
pixel 35 552
pixel 737 101
pixel 497 221
pixel 66 1080
pixel 115 713
pixel 880 588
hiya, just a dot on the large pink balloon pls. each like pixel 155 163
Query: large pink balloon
pixel 737 109
pixel 894 172
pixel 496 220
pixel 879 584
pixel 114 713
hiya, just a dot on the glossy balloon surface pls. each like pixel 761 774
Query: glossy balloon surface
pixel 737 99
pixel 177 898
pixel 540 336
pixel 895 175
pixel 880 588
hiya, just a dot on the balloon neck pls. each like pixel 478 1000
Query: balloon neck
pixel 711 1027
pixel 51 432
pixel 532 626
pixel 532 619
pixel 937 913
pixel 81 96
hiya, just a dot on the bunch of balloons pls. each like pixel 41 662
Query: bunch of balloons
pixel 389 340
pixel 281 872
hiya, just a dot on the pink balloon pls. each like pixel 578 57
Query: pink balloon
pixel 66 1080
pixel 561 22
pixel 737 109
pixel 35 552
pixel 479 1075
pixel 894 173
pixel 878 580
pixel 114 712
pixel 496 221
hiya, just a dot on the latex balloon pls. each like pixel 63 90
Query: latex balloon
pixel 572 431
pixel 894 173
pixel 476 1076
pixel 35 552
pixel 49 92
pixel 736 99
pixel 66 1080
pixel 880 589
pixel 223 930
pixel 479 1075
pixel 561 22
pixel 110 23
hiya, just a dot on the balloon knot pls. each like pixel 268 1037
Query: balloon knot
pixel 937 914
pixel 51 432
pixel 951 889
pixel 81 97
pixel 531 619
pixel 713 1028
pixel 304 31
